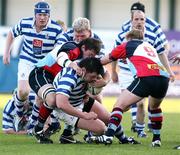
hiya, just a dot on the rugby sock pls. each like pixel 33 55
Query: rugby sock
pixel 67 130
pixel 133 112
pixel 34 116
pixel 156 123
pixel 114 121
pixel 140 127
pixel 54 119
pixel 44 113
pixel 120 133
pixel 149 119
pixel 19 105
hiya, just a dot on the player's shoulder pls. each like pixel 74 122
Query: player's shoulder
pixel 151 23
pixel 122 34
pixel 27 20
pixel 70 72
pixel 150 32
pixel 69 34
pixel 126 25
pixel 69 45
pixel 95 36
pixel 53 24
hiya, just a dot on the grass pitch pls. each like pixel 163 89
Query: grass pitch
pixel 26 145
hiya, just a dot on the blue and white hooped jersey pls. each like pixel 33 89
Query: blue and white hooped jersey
pixel 36 45
pixel 149 36
pixel 69 36
pixel 10 111
pixel 68 83
pixel 152 25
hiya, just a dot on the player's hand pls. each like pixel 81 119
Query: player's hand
pixel 172 77
pixel 76 68
pixel 100 82
pixel 90 115
pixel 176 58
pixel 6 59
pixel 114 77
pixel 86 98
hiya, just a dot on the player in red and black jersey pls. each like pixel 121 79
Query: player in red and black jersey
pixel 152 73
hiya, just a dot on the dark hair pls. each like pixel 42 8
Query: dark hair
pixel 135 34
pixel 138 6
pixel 92 65
pixel 91 44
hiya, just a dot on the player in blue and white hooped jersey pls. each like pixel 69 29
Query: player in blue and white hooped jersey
pixel 80 30
pixel 149 23
pixel 41 35
pixel 71 90
pixel 125 76
pixel 9 114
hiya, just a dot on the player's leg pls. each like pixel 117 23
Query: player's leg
pixel 140 120
pixel 53 125
pixel 126 79
pixel 133 110
pixel 23 89
pixel 124 101
pixel 156 117
pixel 41 83
pixel 47 93
pixel 157 93
pixel 67 134
pixel 34 115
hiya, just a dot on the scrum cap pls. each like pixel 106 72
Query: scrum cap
pixel 41 7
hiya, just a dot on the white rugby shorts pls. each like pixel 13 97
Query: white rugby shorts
pixel 125 78
pixel 24 69
pixel 66 118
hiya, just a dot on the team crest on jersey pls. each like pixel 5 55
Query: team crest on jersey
pixel 22 75
pixel 37 46
pixel 47 36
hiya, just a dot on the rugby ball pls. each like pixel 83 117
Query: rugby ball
pixel 94 90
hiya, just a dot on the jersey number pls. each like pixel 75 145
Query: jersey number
pixel 149 52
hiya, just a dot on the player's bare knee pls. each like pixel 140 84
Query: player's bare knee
pixel 100 128
pixel 51 100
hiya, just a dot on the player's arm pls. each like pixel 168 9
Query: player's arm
pixel 64 61
pixel 164 60
pixel 105 60
pixel 118 52
pixel 7 52
pixel 167 48
pixel 62 102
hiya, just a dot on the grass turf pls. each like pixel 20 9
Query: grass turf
pixel 26 145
